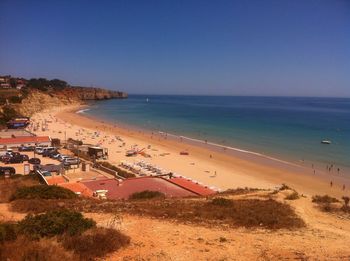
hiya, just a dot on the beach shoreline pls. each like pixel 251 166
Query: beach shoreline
pixel 232 167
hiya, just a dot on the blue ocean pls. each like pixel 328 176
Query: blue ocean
pixel 287 128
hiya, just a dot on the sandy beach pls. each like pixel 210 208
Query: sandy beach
pixel 222 168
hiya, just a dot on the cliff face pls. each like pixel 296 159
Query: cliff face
pixel 84 93
pixel 37 101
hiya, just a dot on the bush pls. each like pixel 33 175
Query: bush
pixel 284 187
pixel 26 249
pixel 54 223
pixel 43 192
pixel 222 202
pixel 324 199
pixel 8 113
pixel 9 186
pixel 96 243
pixel 15 99
pixel 147 194
pixel 8 232
pixel 292 196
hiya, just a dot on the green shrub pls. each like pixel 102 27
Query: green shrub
pixel 292 196
pixel 147 194
pixel 15 99
pixel 43 192
pixel 8 232
pixel 324 199
pixel 8 113
pixel 96 243
pixel 223 202
pixel 56 222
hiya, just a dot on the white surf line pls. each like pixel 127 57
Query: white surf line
pixel 82 111
pixel 232 148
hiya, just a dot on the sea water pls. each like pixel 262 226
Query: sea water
pixel 287 128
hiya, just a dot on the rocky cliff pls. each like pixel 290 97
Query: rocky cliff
pixel 84 93
pixel 37 100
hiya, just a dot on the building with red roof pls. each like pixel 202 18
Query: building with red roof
pixel 25 141
pixel 117 189
pixel 55 180
pixel 78 188
pixel 192 186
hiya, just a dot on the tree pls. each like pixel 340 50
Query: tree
pixel 58 84
pixel 13 83
pixel 8 113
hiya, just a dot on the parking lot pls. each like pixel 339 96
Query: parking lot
pixel 44 160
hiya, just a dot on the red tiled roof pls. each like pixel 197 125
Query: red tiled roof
pixel 191 186
pixel 77 187
pixel 22 140
pixel 125 188
pixel 55 180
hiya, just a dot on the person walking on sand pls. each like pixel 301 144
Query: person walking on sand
pixel 331 183
pixel 343 186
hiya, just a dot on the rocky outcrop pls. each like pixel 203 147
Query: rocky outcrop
pixel 85 93
pixel 37 101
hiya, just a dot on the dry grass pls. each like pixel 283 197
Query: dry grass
pixel 239 191
pixel 26 249
pixel 293 196
pixel 324 199
pixel 8 186
pixel 96 243
pixel 250 213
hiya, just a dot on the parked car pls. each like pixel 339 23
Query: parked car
pixel 24 157
pixel 34 161
pixel 10 170
pixel 14 160
pixel 71 161
pixel 49 167
pixel 5 158
pixel 46 173
pixel 39 150
pixel 63 157
pixel 47 153
pixel 54 154
pixel 49 149
pixel 26 148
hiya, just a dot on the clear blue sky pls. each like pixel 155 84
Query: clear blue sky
pixel 280 47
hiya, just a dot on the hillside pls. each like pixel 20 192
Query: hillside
pixel 34 95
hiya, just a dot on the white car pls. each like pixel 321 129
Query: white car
pixel 39 150
pixel 63 157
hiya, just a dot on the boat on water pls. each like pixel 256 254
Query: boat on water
pixel 326 142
